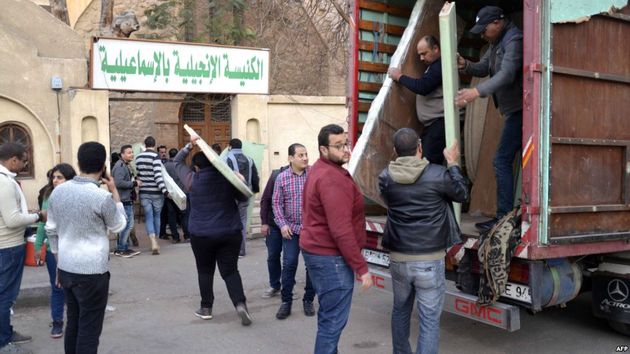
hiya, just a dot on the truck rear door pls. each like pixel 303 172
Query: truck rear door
pixel 585 164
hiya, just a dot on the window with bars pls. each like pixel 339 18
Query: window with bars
pixel 14 133
pixel 220 110
pixel 194 111
pixel 195 108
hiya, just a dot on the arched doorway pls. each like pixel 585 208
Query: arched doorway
pixel 209 115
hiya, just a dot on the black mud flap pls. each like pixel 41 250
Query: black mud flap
pixel 611 297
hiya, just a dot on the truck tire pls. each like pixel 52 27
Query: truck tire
pixel 621 327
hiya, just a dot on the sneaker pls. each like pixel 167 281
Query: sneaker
pixel 130 253
pixel 19 338
pixel 57 329
pixel 309 309
pixel 284 311
pixel 14 349
pixel 205 313
pixel 486 225
pixel 118 253
pixel 271 292
pixel 246 318
pixel 176 240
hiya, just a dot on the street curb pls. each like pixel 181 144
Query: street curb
pixel 33 296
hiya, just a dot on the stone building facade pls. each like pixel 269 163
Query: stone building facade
pixel 51 122
pixel 303 72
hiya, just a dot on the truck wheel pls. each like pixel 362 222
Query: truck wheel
pixel 623 328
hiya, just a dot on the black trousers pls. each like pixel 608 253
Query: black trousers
pixel 86 299
pixel 434 142
pixel 169 216
pixel 223 251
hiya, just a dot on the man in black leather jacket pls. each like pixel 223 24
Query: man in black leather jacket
pixel 420 226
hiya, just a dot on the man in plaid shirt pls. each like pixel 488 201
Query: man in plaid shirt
pixel 287 210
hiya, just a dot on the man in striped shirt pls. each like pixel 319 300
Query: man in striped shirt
pixel 287 211
pixel 152 190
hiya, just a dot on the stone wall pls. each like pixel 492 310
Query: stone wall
pixel 131 121
pixel 29 57
pixel 88 23
pixel 283 120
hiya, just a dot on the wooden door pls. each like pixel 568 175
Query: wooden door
pixel 590 140
pixel 209 116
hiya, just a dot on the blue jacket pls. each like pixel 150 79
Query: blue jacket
pixel 213 210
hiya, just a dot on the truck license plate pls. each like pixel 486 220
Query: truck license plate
pixel 375 257
pixel 518 292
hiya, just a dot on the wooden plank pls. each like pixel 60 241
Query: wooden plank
pixel 225 170
pixel 364 106
pixel 368 86
pixel 587 175
pixel 591 74
pixel 382 48
pixel 589 208
pixel 380 7
pixel 589 223
pixel 578 112
pixel 373 67
pixel 585 141
pixel 387 28
pixel 450 79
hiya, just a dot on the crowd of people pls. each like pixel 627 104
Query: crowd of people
pixel 316 210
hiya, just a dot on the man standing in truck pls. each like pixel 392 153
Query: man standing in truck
pixel 503 61
pixel 420 226
pixel 429 97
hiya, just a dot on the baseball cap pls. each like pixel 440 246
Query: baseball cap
pixel 486 15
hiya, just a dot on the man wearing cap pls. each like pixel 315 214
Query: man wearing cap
pixel 429 97
pixel 503 61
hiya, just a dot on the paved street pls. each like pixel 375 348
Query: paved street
pixel 154 297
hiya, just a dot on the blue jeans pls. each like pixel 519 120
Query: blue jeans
pixel 424 283
pixel 290 259
pixel 11 268
pixel 242 211
pixel 152 206
pixel 274 249
pixel 56 294
pixel 509 145
pixel 123 236
pixel 333 280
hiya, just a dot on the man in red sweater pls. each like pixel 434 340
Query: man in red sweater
pixel 333 233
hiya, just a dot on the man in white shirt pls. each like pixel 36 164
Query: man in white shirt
pixel 14 218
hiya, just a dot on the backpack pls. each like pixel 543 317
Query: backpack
pixel 250 163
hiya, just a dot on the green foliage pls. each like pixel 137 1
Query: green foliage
pixel 225 23
pixel 222 24
pixel 159 15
